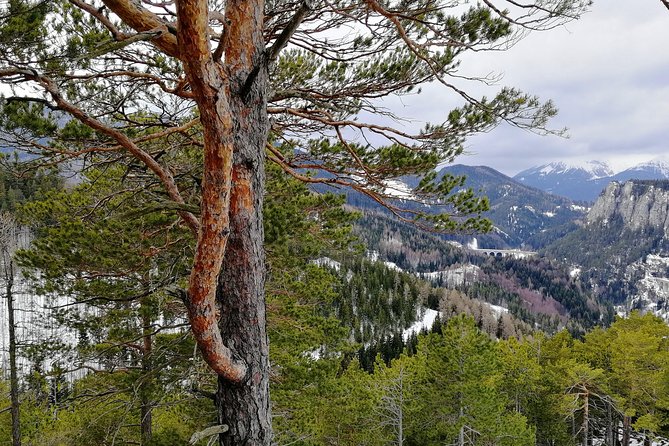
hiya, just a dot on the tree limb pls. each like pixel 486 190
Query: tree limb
pixel 117 44
pixel 142 20
pixel 280 43
pixel 97 13
pixel 163 174
pixel 208 432
pixel 193 17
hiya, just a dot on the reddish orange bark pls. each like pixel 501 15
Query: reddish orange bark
pixel 231 95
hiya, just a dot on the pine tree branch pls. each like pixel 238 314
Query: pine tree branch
pixel 163 174
pixel 160 206
pixel 108 47
pixel 97 13
pixel 280 43
pixel 272 54
pixel 193 17
pixel 142 20
pixel 208 432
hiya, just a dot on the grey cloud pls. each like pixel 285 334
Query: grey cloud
pixel 607 73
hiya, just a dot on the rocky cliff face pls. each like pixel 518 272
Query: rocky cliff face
pixel 639 204
pixel 623 249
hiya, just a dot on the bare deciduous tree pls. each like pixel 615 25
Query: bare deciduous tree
pixel 9 243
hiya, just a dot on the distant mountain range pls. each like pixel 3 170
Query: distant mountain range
pixel 531 210
pixel 523 216
pixel 586 181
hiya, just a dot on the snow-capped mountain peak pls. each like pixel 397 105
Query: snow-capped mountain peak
pixel 660 165
pixel 593 169
pixel 577 180
pixel 585 181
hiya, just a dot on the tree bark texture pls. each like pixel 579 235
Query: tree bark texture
pixel 146 403
pixel 232 99
pixel 244 406
pixel 627 428
pixel 13 371
pixel 586 418
pixel 229 86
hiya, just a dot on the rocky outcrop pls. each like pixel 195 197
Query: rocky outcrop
pixel 639 204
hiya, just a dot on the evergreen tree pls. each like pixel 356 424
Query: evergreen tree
pixel 460 396
pixel 228 66
pixel 115 276
pixel 639 363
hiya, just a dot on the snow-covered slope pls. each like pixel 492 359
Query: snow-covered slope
pixel 585 181
pixel 578 181
pixel 655 169
pixel 590 170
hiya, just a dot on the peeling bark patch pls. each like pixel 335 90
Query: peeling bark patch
pixel 243 199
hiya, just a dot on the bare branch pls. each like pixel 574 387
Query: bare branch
pixel 281 41
pixel 142 20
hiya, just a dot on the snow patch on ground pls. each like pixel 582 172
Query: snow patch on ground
pixel 456 276
pixel 397 189
pixel 327 262
pixel 652 289
pixel 424 320
pixel 635 440
pixel 497 310
pixel 574 272
pixel 499 231
pixel 393 266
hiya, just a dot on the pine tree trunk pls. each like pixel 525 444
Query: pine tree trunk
pixel 626 430
pixel 400 430
pixel 586 418
pixel 232 100
pixel 461 433
pixel 146 405
pixel 609 426
pixel 244 407
pixel 13 369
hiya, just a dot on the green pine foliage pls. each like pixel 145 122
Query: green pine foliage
pixel 19 182
pixel 468 407
pixel 120 261
pixel 341 368
pixel 374 300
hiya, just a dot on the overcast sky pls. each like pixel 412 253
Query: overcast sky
pixel 608 74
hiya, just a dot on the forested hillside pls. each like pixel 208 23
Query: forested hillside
pixel 521 215
pixel 223 225
pixel 535 290
pixel 621 248
pixel 345 368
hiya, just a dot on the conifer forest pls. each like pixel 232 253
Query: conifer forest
pixel 217 229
